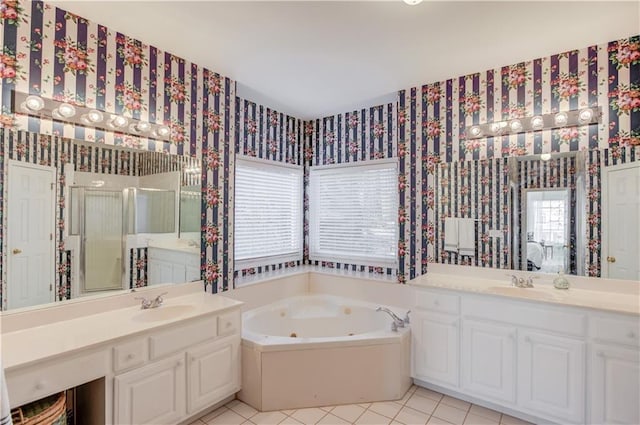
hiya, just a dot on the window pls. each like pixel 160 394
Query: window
pixel 268 213
pixel 353 213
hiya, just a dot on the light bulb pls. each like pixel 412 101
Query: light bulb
pixel 119 121
pixel 585 115
pixel 34 103
pixel 545 156
pixel 143 126
pixel 560 119
pixel 475 131
pixel 537 122
pixel 66 110
pixel 412 2
pixel 515 125
pixel 163 131
pixel 95 116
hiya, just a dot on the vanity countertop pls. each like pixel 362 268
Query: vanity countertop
pixel 36 343
pixel 611 301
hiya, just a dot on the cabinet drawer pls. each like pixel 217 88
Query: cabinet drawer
pixel 180 337
pixel 229 323
pixel 130 354
pixel 46 378
pixel 615 329
pixel 436 301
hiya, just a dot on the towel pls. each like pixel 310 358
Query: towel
pixel 5 409
pixel 451 234
pixel 467 236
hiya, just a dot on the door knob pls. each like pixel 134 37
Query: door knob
pixel 17 251
pixel 611 259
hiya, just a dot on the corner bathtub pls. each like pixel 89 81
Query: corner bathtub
pixel 319 350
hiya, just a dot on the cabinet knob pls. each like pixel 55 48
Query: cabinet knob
pixel 130 356
pixel 436 302
pixel 527 339
pixel 179 363
pixel 600 353
pixel 611 259
pixel 17 251
pixel 39 386
pixel 631 334
pixel 512 336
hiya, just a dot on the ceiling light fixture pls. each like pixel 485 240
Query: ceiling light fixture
pixel 36 106
pixel 545 156
pixel 576 117
pixel 412 2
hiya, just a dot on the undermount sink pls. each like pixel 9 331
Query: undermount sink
pixel 164 312
pixel 533 293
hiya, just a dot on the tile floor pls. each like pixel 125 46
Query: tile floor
pixel 418 406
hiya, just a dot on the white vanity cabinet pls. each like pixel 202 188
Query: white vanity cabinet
pixel 172 266
pixel 525 356
pixel 614 378
pixel 436 338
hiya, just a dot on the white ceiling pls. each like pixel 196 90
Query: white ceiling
pixel 313 59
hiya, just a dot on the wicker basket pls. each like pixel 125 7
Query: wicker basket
pixel 51 410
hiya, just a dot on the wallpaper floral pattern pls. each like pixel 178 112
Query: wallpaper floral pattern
pixel 434 116
pixel 48 51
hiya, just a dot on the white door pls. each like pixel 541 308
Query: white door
pixel 621 221
pixel 551 376
pixel 435 347
pixel 615 385
pixel 153 394
pixel 30 234
pixel 488 360
pixel 213 372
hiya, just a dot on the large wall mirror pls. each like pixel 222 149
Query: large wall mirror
pixel 88 219
pixel 543 214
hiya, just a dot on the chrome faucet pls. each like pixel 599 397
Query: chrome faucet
pixel 397 321
pixel 154 303
pixel 520 282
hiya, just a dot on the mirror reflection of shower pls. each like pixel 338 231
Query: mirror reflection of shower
pixel 108 218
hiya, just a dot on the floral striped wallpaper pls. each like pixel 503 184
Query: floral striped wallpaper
pixel 54 53
pixel 434 116
pixel 262 132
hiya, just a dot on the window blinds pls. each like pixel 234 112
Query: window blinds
pixel 354 213
pixel 268 213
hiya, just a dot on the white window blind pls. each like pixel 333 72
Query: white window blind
pixel 268 213
pixel 353 213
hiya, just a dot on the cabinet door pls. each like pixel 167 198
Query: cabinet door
pixel 551 376
pixel 615 385
pixel 178 273
pixel 488 360
pixel 213 372
pixel 192 273
pixel 153 394
pixel 435 347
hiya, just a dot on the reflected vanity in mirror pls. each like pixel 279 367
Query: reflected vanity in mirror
pixel 85 218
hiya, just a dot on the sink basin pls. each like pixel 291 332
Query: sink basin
pixel 533 293
pixel 164 312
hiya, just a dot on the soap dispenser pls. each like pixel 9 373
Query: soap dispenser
pixel 561 282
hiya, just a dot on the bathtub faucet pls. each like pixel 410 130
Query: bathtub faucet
pixel 397 322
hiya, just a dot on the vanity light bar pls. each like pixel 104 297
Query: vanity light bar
pixel 576 117
pixel 36 106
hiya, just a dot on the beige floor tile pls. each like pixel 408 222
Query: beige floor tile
pixel 372 418
pixel 330 419
pixel 268 418
pixel 327 408
pixel 409 416
pixel 487 413
pixel 288 412
pixel 248 422
pixel 348 412
pixel 422 404
pixel 219 411
pixel 473 419
pixel 241 408
pixel 364 405
pixel 457 403
pixel 450 414
pixel 425 392
pixel 227 418
pixel 309 416
pixel 437 421
pixel 386 408
pixel 510 420
pixel 290 421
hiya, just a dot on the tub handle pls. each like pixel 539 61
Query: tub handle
pixel 406 319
